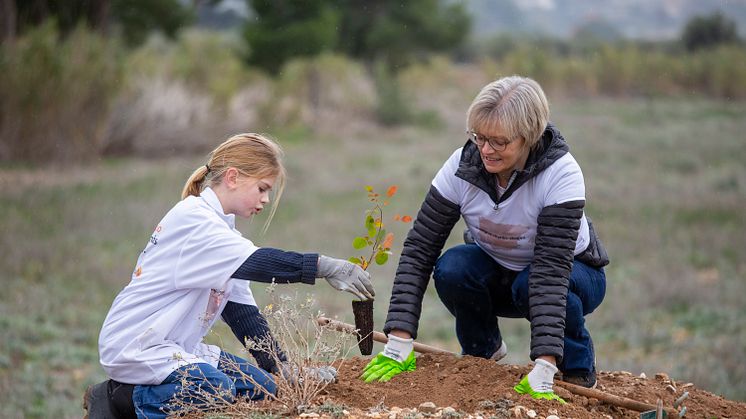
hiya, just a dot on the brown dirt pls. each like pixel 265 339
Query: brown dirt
pixel 472 386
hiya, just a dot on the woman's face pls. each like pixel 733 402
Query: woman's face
pixel 500 154
pixel 246 195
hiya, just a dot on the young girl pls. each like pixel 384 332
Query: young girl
pixel 196 266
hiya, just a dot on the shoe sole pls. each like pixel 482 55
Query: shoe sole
pixel 86 396
pixel 561 377
pixel 595 384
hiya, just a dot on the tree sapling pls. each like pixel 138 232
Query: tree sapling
pixel 380 243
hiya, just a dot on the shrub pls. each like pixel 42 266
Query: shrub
pixel 306 344
pixel 624 68
pixel 325 92
pixel 55 95
pixel 703 32
pixel 392 108
pixel 183 95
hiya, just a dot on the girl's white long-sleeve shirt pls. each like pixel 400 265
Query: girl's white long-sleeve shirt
pixel 180 284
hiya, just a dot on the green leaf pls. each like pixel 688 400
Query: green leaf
pixel 370 223
pixel 355 260
pixel 381 258
pixel 381 234
pixel 360 243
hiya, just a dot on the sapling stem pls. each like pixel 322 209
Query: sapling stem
pixel 378 236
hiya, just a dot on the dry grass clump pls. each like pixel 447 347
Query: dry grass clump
pixel 307 346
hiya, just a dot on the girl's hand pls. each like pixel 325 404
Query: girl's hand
pixel 346 276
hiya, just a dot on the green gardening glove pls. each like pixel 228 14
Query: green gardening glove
pixel 383 368
pixel 538 383
pixel 391 361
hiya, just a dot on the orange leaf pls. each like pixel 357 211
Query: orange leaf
pixel 406 219
pixel 391 191
pixel 388 241
pixel 397 217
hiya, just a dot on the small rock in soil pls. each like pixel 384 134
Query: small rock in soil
pixel 427 407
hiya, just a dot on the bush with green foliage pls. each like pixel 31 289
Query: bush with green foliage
pixel 623 68
pixel 138 18
pixel 392 108
pixel 133 19
pixel 55 94
pixel 708 31
pixel 321 93
pixel 208 62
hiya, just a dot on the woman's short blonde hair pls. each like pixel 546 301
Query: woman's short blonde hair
pixel 253 155
pixel 514 105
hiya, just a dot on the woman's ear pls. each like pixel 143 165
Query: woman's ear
pixel 230 178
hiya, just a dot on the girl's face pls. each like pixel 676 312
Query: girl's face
pixel 245 196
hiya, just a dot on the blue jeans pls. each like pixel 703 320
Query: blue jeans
pixel 477 290
pixel 224 382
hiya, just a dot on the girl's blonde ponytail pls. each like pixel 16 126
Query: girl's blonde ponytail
pixel 193 186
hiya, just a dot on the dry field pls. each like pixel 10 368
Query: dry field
pixel 666 187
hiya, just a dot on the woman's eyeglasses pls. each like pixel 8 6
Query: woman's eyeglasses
pixel 497 144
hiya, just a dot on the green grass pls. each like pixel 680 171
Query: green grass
pixel 666 186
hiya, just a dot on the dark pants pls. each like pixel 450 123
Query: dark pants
pixel 477 290
pixel 224 382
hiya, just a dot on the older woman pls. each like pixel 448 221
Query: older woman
pixel 531 251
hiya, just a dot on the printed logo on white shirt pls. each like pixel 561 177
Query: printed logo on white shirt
pixel 507 236
pixel 214 303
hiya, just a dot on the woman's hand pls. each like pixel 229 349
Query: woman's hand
pixel 539 382
pixel 397 357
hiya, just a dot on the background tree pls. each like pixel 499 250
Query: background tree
pixel 399 32
pixel 134 18
pixel 283 29
pixel 7 20
pixel 391 31
pixel 706 31
pixel 137 18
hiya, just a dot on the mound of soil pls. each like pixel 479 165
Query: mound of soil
pixel 470 386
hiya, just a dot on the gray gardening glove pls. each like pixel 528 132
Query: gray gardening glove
pixel 325 374
pixel 346 276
